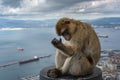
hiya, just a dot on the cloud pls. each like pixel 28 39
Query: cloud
pixel 37 5
pixel 43 9
pixel 11 3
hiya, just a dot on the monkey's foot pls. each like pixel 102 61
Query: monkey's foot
pixel 53 73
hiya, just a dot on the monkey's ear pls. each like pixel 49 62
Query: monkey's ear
pixel 58 30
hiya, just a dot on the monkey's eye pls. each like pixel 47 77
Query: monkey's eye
pixel 67 22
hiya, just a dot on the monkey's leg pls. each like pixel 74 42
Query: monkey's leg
pixel 58 72
pixel 66 66
pixel 80 66
pixel 59 59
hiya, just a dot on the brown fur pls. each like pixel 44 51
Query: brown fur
pixel 80 52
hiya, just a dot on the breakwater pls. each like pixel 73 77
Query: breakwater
pixel 23 61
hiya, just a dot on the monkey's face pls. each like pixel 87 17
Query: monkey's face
pixel 66 28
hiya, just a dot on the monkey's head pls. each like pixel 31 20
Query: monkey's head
pixel 66 27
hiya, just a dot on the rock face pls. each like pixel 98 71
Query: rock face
pixel 96 75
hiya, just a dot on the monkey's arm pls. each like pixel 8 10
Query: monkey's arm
pixel 67 50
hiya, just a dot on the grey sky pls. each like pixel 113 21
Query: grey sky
pixel 50 9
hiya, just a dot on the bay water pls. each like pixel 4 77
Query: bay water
pixel 37 42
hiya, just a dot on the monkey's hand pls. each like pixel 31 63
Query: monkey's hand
pixel 67 50
pixel 57 43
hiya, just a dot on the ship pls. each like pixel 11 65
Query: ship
pixel 20 49
pixel 35 58
pixel 102 35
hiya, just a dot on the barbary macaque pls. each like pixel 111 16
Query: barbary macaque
pixel 80 51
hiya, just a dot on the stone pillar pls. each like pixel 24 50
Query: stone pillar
pixel 96 75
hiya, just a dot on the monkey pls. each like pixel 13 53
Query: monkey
pixel 80 51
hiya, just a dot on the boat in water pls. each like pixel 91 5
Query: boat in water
pixel 35 58
pixel 102 35
pixel 20 49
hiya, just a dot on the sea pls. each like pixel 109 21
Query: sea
pixel 37 42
